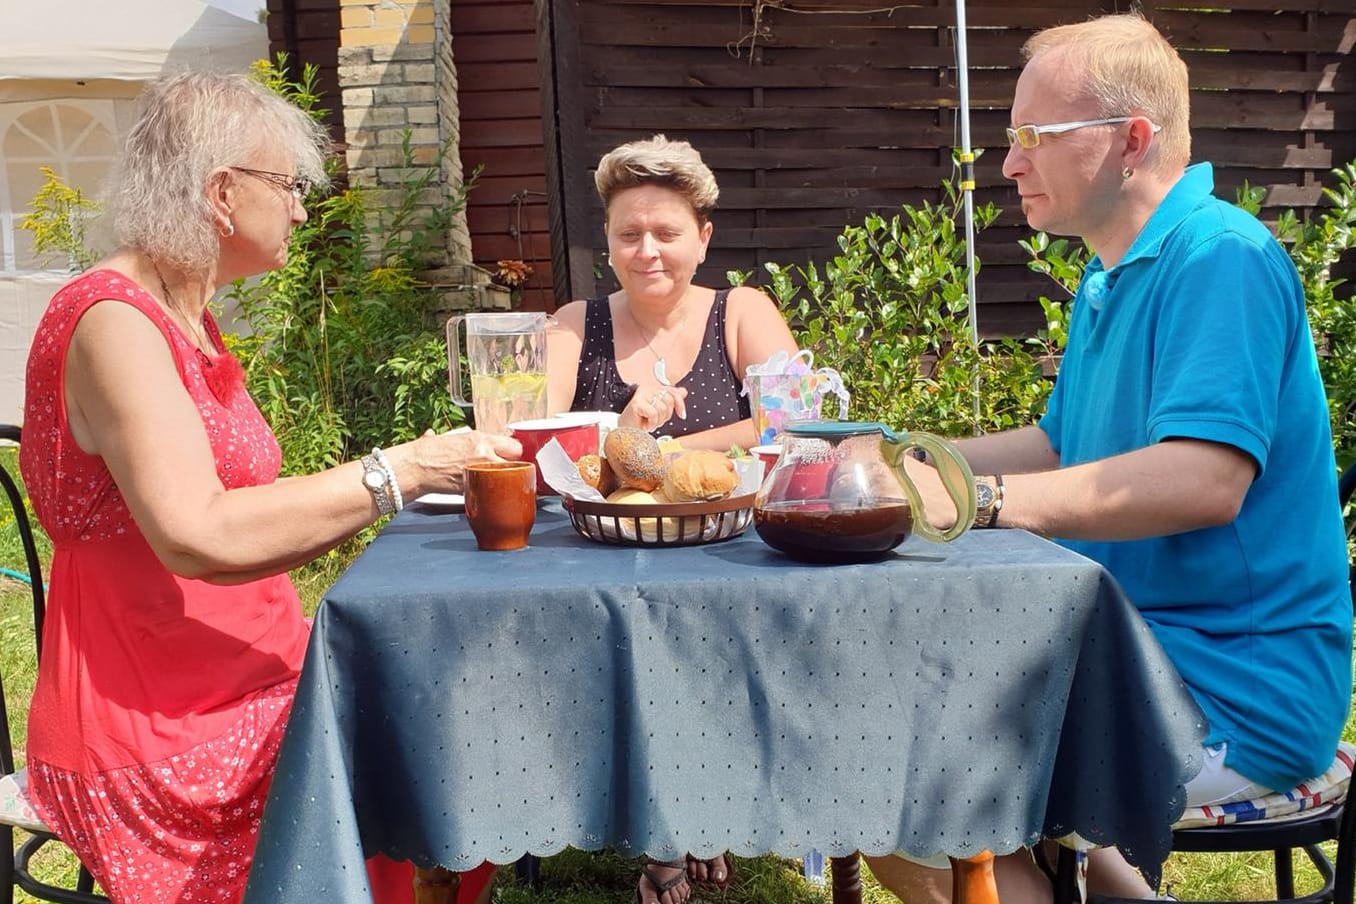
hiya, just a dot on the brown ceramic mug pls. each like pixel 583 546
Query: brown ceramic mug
pixel 501 503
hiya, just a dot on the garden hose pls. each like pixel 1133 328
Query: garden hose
pixel 17 575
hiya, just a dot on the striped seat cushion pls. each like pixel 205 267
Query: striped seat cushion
pixel 15 807
pixel 1306 799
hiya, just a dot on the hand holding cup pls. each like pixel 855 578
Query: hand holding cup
pixel 440 458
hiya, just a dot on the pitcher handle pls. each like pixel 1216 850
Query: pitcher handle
pixel 454 359
pixel 834 384
pixel 957 479
pixel 843 401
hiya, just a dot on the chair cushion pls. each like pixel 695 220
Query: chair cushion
pixel 15 807
pixel 1317 793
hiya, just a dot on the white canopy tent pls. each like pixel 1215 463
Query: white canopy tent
pixel 70 71
pixel 130 40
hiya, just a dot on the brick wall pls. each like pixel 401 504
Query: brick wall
pixel 396 75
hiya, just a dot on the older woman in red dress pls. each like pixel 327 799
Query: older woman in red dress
pixel 174 637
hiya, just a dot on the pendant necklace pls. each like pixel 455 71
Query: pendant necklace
pixel 661 367
pixel 198 336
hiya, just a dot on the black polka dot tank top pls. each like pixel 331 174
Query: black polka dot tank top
pixel 713 398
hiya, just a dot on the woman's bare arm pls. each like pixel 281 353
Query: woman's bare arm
pixel 128 406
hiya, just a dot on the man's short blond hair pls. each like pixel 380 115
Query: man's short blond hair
pixel 1129 69
pixel 658 161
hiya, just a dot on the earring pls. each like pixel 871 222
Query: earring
pixel 229 230
pixel 1126 172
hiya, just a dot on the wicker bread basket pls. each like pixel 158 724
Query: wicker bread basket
pixel 669 524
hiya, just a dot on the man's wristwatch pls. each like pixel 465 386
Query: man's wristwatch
pixel 374 478
pixel 988 500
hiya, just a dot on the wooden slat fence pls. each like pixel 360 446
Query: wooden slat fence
pixel 814 113
pixel 499 93
pixel 308 32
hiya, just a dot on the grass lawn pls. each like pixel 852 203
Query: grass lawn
pixel 575 877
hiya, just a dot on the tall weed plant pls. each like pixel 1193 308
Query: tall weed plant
pixel 344 351
pixel 58 218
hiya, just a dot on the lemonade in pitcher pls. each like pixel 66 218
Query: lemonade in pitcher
pixel 506 355
pixel 501 399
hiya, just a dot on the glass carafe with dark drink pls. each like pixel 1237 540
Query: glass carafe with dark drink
pixel 840 493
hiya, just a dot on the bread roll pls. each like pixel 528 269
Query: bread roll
pixel 650 528
pixel 632 496
pixel 597 473
pixel 700 477
pixel 635 458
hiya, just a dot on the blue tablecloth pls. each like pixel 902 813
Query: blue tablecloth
pixel 458 706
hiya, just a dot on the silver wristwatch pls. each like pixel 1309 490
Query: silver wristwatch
pixel 374 478
pixel 988 501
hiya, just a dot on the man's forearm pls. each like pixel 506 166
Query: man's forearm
pixel 1168 488
pixel 1021 451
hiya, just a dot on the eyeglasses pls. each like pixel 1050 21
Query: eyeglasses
pixel 1029 136
pixel 299 187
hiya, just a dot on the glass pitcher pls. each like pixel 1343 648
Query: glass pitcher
pixel 507 357
pixel 839 491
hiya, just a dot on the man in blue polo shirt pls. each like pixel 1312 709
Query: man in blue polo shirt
pixel 1186 446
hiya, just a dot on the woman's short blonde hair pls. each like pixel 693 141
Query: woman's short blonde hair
pixel 1129 69
pixel 658 161
pixel 191 125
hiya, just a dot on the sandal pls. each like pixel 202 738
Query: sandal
pixel 716 862
pixel 659 885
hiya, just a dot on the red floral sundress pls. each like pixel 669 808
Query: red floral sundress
pixel 160 701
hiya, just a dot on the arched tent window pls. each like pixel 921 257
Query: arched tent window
pixel 76 138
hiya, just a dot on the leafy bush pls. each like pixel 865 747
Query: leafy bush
pixel 889 313
pixel 1315 246
pixel 889 310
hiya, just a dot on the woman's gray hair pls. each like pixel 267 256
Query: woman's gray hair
pixel 658 161
pixel 190 125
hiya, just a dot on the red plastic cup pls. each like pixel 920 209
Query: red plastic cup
pixel 809 480
pixel 576 438
pixel 768 455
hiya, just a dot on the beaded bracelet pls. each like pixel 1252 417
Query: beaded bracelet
pixel 391 483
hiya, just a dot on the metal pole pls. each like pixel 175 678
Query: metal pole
pixel 967 187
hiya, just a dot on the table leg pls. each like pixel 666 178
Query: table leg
pixel 847 879
pixel 528 871
pixel 435 885
pixel 1066 877
pixel 972 880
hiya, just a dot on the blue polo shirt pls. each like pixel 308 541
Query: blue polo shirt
pixel 1201 333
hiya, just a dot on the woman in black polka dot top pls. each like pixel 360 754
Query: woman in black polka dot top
pixel 667 355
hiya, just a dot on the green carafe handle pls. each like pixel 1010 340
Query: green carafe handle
pixel 957 479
